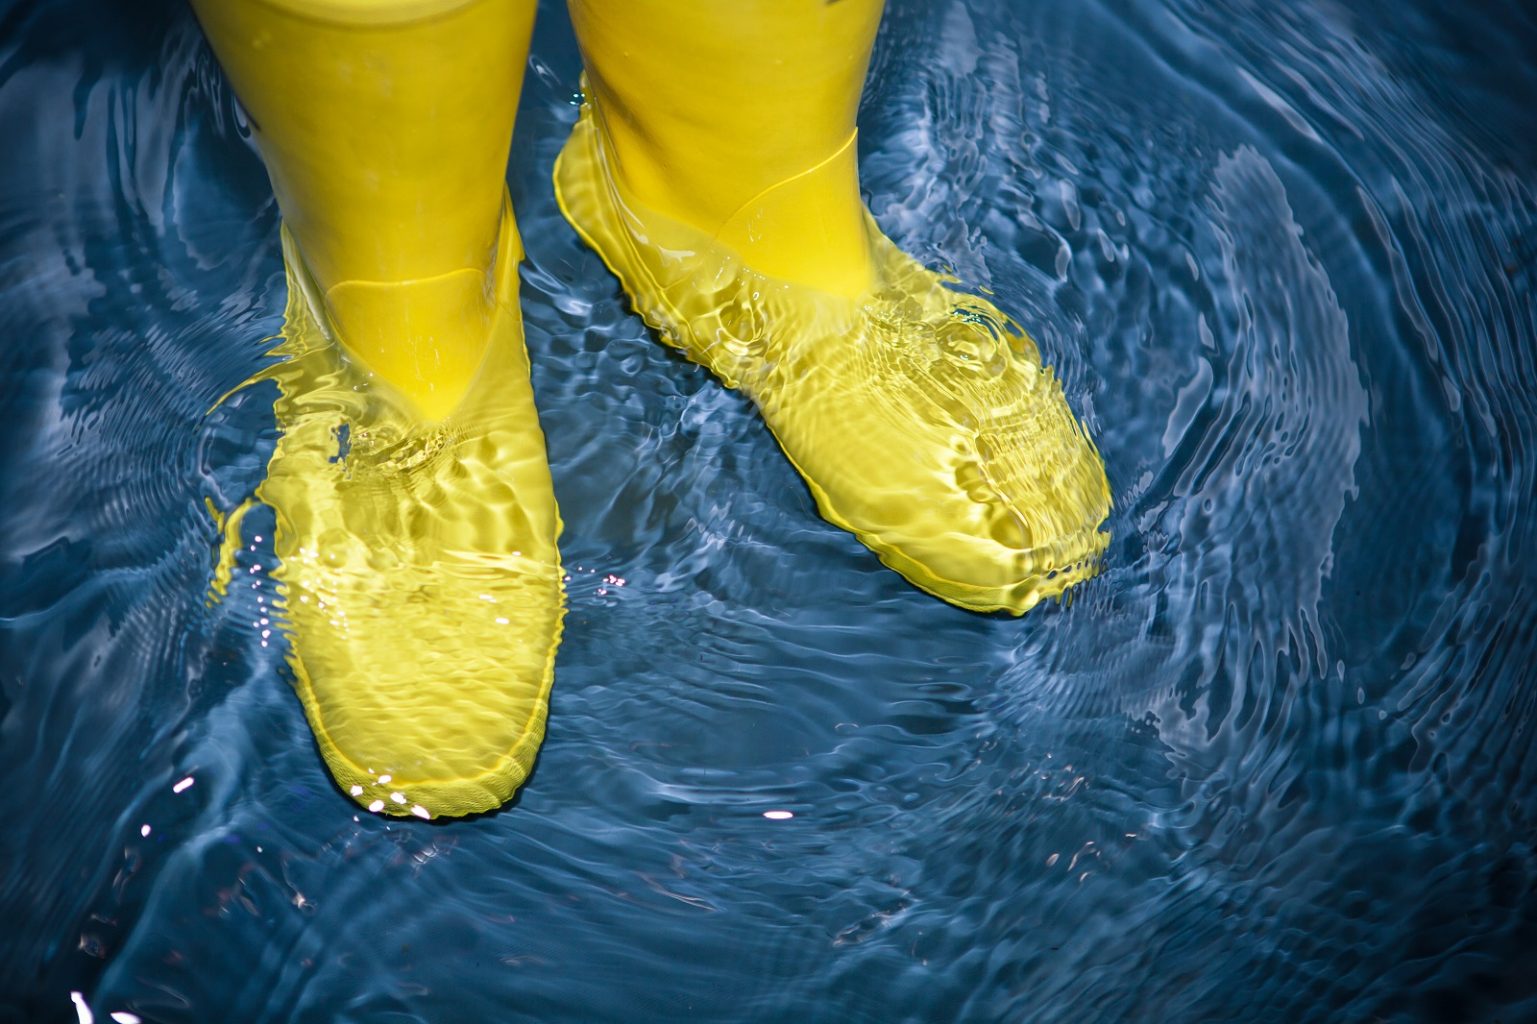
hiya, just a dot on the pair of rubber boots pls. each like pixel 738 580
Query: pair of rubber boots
pixel 713 168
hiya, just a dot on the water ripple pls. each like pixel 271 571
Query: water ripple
pixel 1276 762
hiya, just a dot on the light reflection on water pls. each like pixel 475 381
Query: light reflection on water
pixel 1276 762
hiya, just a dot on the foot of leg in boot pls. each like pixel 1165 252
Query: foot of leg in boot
pixel 921 418
pixel 419 580
pixel 419 584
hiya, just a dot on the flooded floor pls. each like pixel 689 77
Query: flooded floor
pixel 1275 764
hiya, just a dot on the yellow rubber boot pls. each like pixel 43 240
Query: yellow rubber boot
pixel 419 582
pixel 385 126
pixel 713 166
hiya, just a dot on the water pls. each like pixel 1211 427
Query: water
pixel 1276 764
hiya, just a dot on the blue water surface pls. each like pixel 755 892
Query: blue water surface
pixel 1275 764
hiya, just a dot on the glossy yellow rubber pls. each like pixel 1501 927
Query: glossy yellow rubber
pixel 385 127
pixel 418 581
pixel 716 110
pixel 719 183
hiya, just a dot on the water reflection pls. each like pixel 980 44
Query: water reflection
pixel 1273 763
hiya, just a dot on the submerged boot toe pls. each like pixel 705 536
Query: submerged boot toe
pixel 921 419
pixel 419 583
